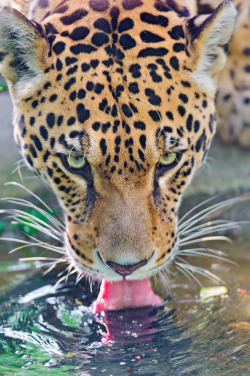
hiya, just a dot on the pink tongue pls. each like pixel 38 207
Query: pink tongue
pixel 125 294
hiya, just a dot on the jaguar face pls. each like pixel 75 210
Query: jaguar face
pixel 115 108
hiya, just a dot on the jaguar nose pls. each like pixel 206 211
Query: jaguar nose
pixel 125 270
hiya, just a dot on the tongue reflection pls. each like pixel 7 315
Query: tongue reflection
pixel 125 294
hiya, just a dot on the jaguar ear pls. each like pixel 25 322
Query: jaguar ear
pixel 208 36
pixel 23 50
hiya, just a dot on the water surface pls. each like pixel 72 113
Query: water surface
pixel 51 331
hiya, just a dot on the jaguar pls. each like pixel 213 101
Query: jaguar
pixel 114 105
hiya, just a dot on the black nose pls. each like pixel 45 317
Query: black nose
pixel 125 270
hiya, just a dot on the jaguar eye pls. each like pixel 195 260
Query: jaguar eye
pixel 76 162
pixel 77 165
pixel 167 162
pixel 168 158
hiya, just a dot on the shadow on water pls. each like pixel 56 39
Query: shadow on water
pixel 49 331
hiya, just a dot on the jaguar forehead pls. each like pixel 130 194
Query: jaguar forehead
pixel 76 141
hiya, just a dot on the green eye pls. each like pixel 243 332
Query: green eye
pixel 168 158
pixel 76 162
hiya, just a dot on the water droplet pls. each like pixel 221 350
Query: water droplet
pixel 95 345
pixel 51 363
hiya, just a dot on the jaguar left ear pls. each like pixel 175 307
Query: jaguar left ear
pixel 23 50
pixel 208 36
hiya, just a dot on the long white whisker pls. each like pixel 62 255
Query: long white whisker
pixel 165 281
pixel 198 270
pixel 30 192
pixel 50 269
pixel 39 228
pixel 207 273
pixel 185 274
pixel 199 254
pixel 23 202
pixel 214 251
pixel 196 207
pixel 19 164
pixel 64 277
pixel 59 249
pixel 79 277
pixel 205 231
pixel 36 243
pixel 50 218
pixel 210 226
pixel 206 212
pixel 20 215
pixel 188 272
pixel 29 245
pixel 206 239
pixel 39 258
pixel 59 261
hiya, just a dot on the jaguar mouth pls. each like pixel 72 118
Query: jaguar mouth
pixel 124 291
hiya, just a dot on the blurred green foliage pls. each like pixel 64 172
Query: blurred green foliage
pixel 3 84
pixel 27 226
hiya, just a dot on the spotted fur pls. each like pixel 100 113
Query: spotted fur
pixel 233 97
pixel 121 83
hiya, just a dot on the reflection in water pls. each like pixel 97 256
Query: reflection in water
pixel 42 328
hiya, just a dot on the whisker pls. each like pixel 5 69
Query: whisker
pixel 19 164
pixel 25 203
pixel 154 278
pixel 188 272
pixel 206 239
pixel 26 246
pixel 30 192
pixel 30 244
pixel 52 247
pixel 50 268
pixel 20 215
pixel 182 271
pixel 206 254
pixel 206 212
pixel 64 278
pixel 205 231
pixel 79 277
pixel 196 207
pixel 165 281
pixel 39 258
pixel 214 251
pixel 40 228
pixel 199 270
pixel 211 225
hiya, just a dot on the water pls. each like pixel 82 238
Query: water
pixel 48 331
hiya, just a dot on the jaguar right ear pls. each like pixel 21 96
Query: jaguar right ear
pixel 23 50
pixel 208 36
